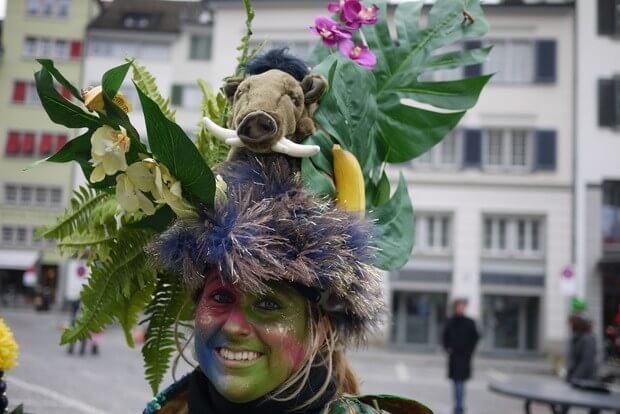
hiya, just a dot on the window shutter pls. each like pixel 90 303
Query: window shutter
pixel 473 70
pixel 606 17
pixel 546 150
pixel 76 49
pixel 176 97
pixel 45 146
pixel 607 103
pixel 472 155
pixel 546 51
pixel 28 144
pixel 13 143
pixel 61 140
pixel 19 91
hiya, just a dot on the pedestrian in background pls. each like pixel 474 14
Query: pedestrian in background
pixel 581 358
pixel 460 337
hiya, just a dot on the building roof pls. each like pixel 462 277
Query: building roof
pixel 149 15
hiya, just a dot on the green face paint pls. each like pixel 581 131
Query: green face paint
pixel 249 344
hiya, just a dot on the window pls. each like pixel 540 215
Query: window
pixel 10 194
pixel 610 216
pixel 25 92
pixel 433 233
pixel 200 47
pixel 446 154
pixel 48 8
pixel 145 50
pixel 26 143
pixel 56 197
pixel 512 236
pixel 609 17
pixel 30 47
pixel 512 61
pixel 27 195
pixel 63 8
pixel 32 7
pixel 508 149
pixel 609 102
pixel 7 234
pixel 51 48
pixel 300 48
pixel 186 96
pixel 21 235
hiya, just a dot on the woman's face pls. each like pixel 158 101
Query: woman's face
pixel 248 344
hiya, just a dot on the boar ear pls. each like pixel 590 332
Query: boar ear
pixel 230 87
pixel 313 86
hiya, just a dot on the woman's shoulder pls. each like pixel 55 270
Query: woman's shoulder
pixel 370 404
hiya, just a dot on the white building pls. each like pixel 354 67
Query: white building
pixel 172 39
pixel 597 183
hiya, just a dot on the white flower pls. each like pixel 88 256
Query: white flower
pixel 108 148
pixel 130 198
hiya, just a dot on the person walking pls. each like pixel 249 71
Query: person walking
pixel 460 337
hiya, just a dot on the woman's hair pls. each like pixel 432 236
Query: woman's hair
pixel 324 348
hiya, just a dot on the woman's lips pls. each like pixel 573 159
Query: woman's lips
pixel 234 358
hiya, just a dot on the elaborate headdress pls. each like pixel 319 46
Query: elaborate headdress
pixel 303 196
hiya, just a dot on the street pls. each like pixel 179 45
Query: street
pixel 49 380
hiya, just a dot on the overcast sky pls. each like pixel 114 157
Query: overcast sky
pixel 2 4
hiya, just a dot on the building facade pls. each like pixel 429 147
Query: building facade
pixel 29 199
pixel 597 184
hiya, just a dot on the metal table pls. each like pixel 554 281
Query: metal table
pixel 557 394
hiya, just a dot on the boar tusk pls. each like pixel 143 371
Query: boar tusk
pixel 288 147
pixel 234 142
pixel 220 133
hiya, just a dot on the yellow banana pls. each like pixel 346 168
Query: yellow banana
pixel 349 180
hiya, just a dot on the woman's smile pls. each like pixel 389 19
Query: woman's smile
pixel 232 358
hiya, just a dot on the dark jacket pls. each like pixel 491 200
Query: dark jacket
pixel 581 361
pixel 460 337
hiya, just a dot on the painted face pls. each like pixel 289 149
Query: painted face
pixel 248 344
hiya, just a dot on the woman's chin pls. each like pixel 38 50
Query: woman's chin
pixel 239 391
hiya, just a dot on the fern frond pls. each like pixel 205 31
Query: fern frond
pixel 147 84
pixel 111 282
pixel 213 106
pixel 77 216
pixel 131 307
pixel 244 46
pixel 95 244
pixel 159 343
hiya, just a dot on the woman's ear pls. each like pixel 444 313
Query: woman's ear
pixel 314 86
pixel 230 87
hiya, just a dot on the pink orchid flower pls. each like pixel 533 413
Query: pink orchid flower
pixel 360 54
pixel 330 31
pixel 355 14
pixel 335 7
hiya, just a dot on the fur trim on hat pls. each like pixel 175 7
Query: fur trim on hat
pixel 270 229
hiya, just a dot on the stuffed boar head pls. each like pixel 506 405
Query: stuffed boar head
pixel 272 106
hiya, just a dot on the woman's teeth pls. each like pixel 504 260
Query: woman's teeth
pixel 238 356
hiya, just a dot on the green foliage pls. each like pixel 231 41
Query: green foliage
pixel 161 314
pixel 49 65
pixel 215 107
pixel 60 110
pixel 147 84
pixel 317 181
pixel 113 79
pixel 395 404
pixel 111 290
pixel 77 217
pixel 394 221
pixel 244 45
pixel 172 147
pixel 387 115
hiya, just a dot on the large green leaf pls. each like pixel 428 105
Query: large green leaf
pixel 316 181
pixel 60 110
pixel 395 404
pixel 113 79
pixel 349 111
pixel 394 220
pixel 405 132
pixel 172 147
pixel 146 82
pixel 49 65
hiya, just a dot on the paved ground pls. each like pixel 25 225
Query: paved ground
pixel 50 381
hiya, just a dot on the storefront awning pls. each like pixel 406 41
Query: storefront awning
pixel 18 259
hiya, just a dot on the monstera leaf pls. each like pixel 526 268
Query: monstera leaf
pixel 388 115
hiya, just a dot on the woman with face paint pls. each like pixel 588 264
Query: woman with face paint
pixel 282 283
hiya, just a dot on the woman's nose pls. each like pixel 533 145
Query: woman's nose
pixel 237 324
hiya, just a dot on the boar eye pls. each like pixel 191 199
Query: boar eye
pixel 296 100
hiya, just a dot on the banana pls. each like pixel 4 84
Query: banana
pixel 349 180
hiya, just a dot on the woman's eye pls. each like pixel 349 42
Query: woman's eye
pixel 220 297
pixel 267 304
